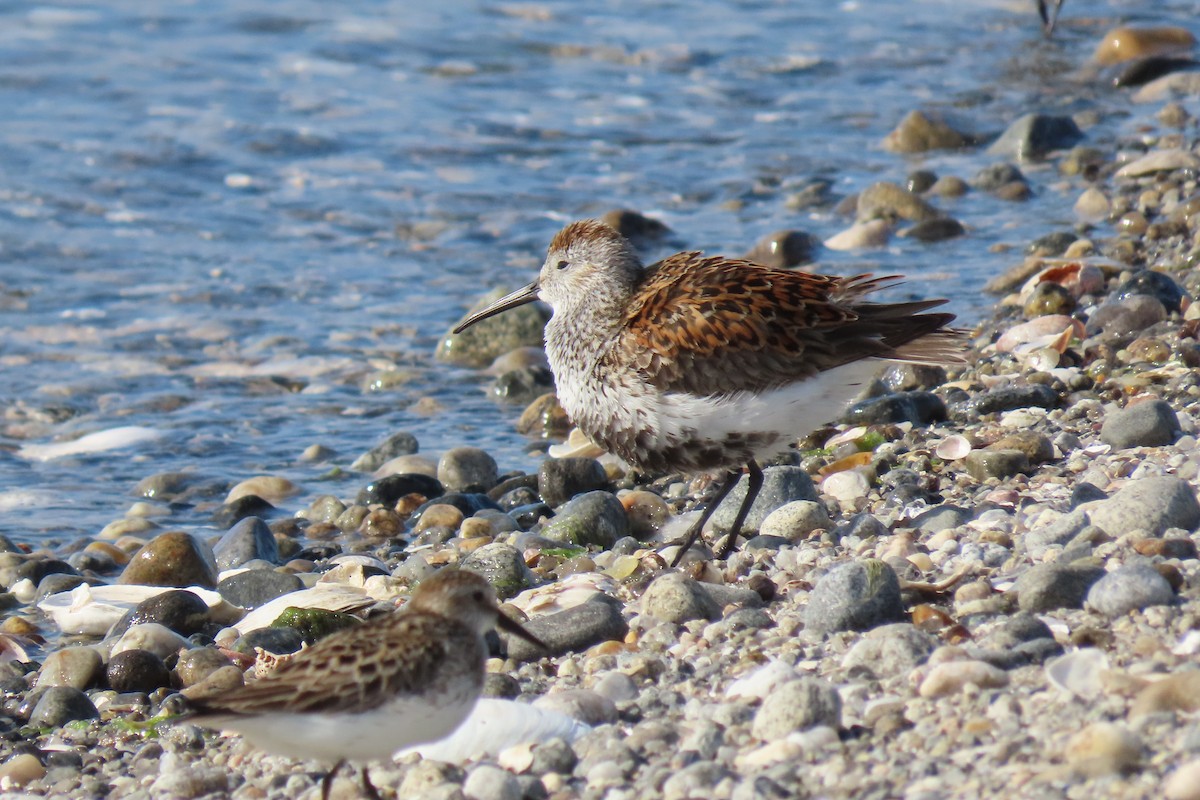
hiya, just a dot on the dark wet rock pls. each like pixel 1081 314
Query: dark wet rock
pixel 501 684
pixel 1130 588
pixel 174 558
pixel 1149 504
pixel 467 469
pixel 783 249
pixel 899 377
pixel 767 542
pixel 250 505
pixel 796 706
pixel 781 485
pixel 503 567
pixel 1049 298
pixel 137 671
pixel 481 343
pixel 512 483
pixel 314 624
pixel 919 408
pixel 939 518
pixel 520 496
pixel 1008 398
pixel 920 133
pixel 248 540
pixel 1034 136
pixel 325 508
pixel 1159 285
pixel 523 385
pixel 1151 423
pixel 920 181
pixel 675 597
pixel 560 479
pixel 1146 70
pixel 257 587
pixel 528 515
pixel 641 230
pixel 279 641
pixel 59 705
pixel 1125 317
pixel 36 569
pixel 1045 587
pixel 935 230
pixel 949 186
pixel 544 417
pixel 77 667
pixel 857 596
pixel 180 610
pixel 889 201
pixel 57 582
pixel 571 630
pixel 387 491
pixel 593 518
pixel 401 443
pixel 889 650
pixel 197 664
pixel 988 463
pixel 994 177
pixel 164 486
pixel 553 756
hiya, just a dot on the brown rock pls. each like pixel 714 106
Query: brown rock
pixel 174 558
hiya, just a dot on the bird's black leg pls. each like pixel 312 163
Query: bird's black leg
pixel 693 533
pixel 368 788
pixel 327 781
pixel 754 482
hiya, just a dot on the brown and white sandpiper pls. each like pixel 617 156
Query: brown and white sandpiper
pixel 702 363
pixel 363 693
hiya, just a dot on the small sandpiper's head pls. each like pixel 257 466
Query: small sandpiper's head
pixel 588 264
pixel 467 597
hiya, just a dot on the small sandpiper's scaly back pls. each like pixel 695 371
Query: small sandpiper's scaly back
pixel 365 692
pixel 698 364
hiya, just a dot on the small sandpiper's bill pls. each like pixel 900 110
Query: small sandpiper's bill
pixel 702 363
pixel 363 693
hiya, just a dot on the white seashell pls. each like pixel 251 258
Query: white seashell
pixel 1189 645
pixel 98 442
pixel 577 445
pixel 953 448
pixel 152 637
pixel 861 236
pixel 1078 673
pixel 850 435
pixel 572 591
pixel 760 683
pixel 495 726
pixel 92 610
pixel 1048 331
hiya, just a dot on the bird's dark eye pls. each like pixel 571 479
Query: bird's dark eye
pixel 563 264
pixel 478 596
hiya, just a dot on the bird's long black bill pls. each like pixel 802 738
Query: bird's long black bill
pixel 515 628
pixel 526 294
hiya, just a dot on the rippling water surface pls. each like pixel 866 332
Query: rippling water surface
pixel 219 220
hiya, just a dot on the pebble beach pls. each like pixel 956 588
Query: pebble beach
pixel 978 581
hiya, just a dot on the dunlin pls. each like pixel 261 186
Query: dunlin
pixel 363 693
pixel 697 364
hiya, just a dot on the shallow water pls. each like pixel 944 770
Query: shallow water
pixel 218 220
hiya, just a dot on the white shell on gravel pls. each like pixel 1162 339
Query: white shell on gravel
pixel 92 610
pixel 567 593
pixel 953 448
pixel 1189 645
pixel 1078 673
pixel 153 638
pixel 762 681
pixel 98 442
pixel 577 445
pixel 496 725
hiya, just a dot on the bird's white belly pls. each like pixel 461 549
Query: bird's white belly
pixel 791 411
pixel 367 736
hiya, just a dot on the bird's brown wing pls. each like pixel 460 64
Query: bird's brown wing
pixel 714 325
pixel 357 669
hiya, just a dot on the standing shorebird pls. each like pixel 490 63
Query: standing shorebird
pixel 1048 11
pixel 697 364
pixel 365 692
